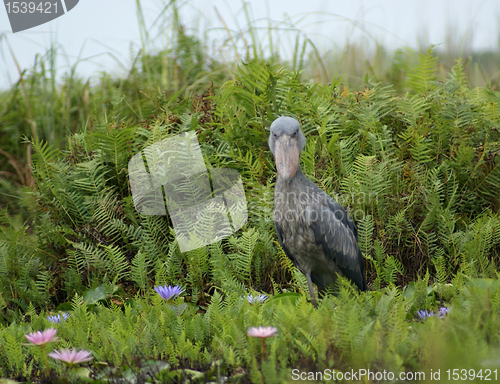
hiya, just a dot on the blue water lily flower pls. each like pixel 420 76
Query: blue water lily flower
pixel 425 314
pixel 57 318
pixel 443 311
pixel 168 293
pixel 256 299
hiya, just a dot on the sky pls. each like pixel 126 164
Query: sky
pixel 104 35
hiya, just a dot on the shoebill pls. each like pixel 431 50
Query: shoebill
pixel 316 233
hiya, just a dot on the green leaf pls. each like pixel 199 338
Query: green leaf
pixel 100 293
pixel 284 298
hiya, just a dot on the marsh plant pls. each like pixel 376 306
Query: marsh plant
pixel 415 158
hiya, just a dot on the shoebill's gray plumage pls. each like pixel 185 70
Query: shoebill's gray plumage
pixel 314 230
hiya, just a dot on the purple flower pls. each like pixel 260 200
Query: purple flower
pixel 57 318
pixel 168 293
pixel 71 357
pixel 262 332
pixel 443 311
pixel 425 314
pixel 42 338
pixel 256 299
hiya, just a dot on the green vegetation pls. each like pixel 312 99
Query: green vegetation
pixel 413 153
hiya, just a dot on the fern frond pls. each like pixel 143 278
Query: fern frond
pixel 412 109
pixel 139 270
pixel 424 74
pixel 116 263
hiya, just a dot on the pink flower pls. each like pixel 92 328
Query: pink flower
pixel 262 332
pixel 71 357
pixel 42 338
